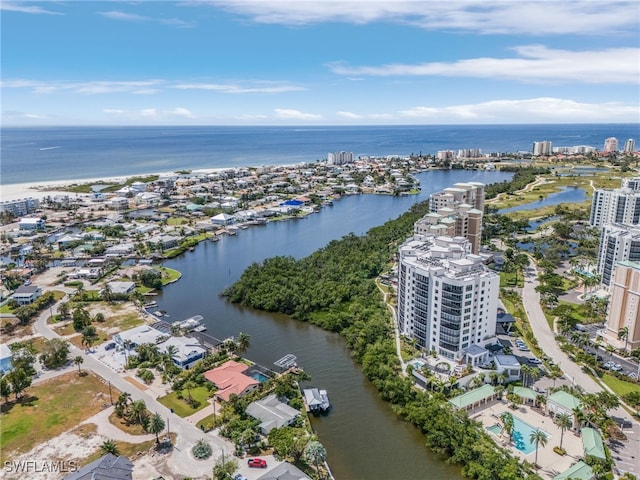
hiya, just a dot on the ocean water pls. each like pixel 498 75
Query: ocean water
pixel 58 153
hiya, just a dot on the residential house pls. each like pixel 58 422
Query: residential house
pixel 285 471
pixel 31 223
pixel 474 398
pixel 5 358
pixel 121 288
pixel 230 379
pixel 26 294
pixel 187 351
pixel 121 249
pixel 272 413
pixel 223 219
pixel 139 335
pixel 119 203
pixel 108 467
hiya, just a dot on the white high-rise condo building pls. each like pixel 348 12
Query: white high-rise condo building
pixel 618 243
pixel 620 205
pixel 611 145
pixel 542 148
pixel 624 307
pixel 20 207
pixel 339 158
pixel 630 146
pixel 447 298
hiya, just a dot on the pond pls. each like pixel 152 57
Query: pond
pixel 566 195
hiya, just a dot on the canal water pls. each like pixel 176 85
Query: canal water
pixel 364 439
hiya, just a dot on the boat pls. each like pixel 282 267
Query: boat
pixel 200 328
pixel 316 400
pixel 150 304
pixel 190 324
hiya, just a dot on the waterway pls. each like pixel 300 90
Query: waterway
pixel 566 195
pixel 364 439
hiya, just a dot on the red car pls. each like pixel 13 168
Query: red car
pixel 257 463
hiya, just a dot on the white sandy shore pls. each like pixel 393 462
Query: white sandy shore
pixel 42 189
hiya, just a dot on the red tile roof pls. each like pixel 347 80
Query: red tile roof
pixel 230 378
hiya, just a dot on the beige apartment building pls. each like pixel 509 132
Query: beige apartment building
pixel 624 306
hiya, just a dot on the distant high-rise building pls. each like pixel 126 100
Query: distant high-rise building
pixel 20 207
pixel 447 298
pixel 469 153
pixel 630 146
pixel 542 148
pixel 611 145
pixel 339 158
pixel 624 307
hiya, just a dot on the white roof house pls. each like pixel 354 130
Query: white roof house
pixel 187 350
pixel 121 288
pixel 508 364
pixel 272 413
pixel 223 219
pixel 31 223
pixel 139 335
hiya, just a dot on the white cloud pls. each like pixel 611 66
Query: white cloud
pixel 149 113
pixel 350 115
pixel 232 88
pixel 113 111
pixel 142 87
pixel 543 109
pixel 289 114
pixel 22 8
pixel 536 17
pixel 182 112
pixel 534 63
pixel 134 17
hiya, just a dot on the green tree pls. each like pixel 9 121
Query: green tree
pixel 623 334
pixel 81 319
pixel 315 453
pixel 110 446
pixel 242 343
pixel 78 360
pixel 564 421
pixel 55 353
pixel 89 336
pixel 156 425
pixel 138 411
pixel 5 387
pixel 507 424
pixel 20 380
pixel 224 468
pixel 538 437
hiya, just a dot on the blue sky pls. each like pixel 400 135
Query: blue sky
pixel 348 62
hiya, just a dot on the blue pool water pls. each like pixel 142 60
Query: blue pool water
pixel 521 433
pixel 495 429
pixel 259 377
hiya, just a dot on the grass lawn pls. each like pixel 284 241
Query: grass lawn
pixel 6 308
pixel 49 409
pixel 620 387
pixel 169 275
pixel 182 408
pixel 133 429
pixel 177 221
pixel 207 422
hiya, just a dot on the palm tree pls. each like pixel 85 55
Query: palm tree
pixel 109 446
pixel 623 334
pixel 138 409
pixel 507 424
pixel 538 437
pixel 243 342
pixel 564 421
pixel 89 335
pixel 78 361
pixel 156 425
pixel 315 452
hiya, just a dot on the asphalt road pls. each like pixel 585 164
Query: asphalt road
pixel 627 454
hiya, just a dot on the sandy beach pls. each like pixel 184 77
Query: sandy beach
pixel 55 187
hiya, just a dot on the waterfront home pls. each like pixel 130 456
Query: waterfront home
pixel 5 358
pixel 563 402
pixel 187 351
pixel 223 219
pixel 121 288
pixel 230 379
pixel 85 273
pixel 118 203
pixel 26 294
pixel 138 335
pixel 109 466
pixel 165 241
pixel 285 471
pixel 121 249
pixel 272 413
pixel 508 365
pixel 31 223
pixel 474 398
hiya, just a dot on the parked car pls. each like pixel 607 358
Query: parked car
pixel 239 476
pixel 617 367
pixel 535 361
pixel 110 346
pixel 257 463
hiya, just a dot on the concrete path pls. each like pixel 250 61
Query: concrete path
pixel 109 430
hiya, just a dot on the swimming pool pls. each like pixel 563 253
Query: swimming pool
pixel 259 376
pixel 520 436
pixel 521 433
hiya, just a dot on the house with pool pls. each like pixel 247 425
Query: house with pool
pixel 232 378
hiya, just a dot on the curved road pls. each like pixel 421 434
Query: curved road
pixel 626 455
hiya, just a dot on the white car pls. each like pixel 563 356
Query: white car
pixel 535 361
pixel 617 367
